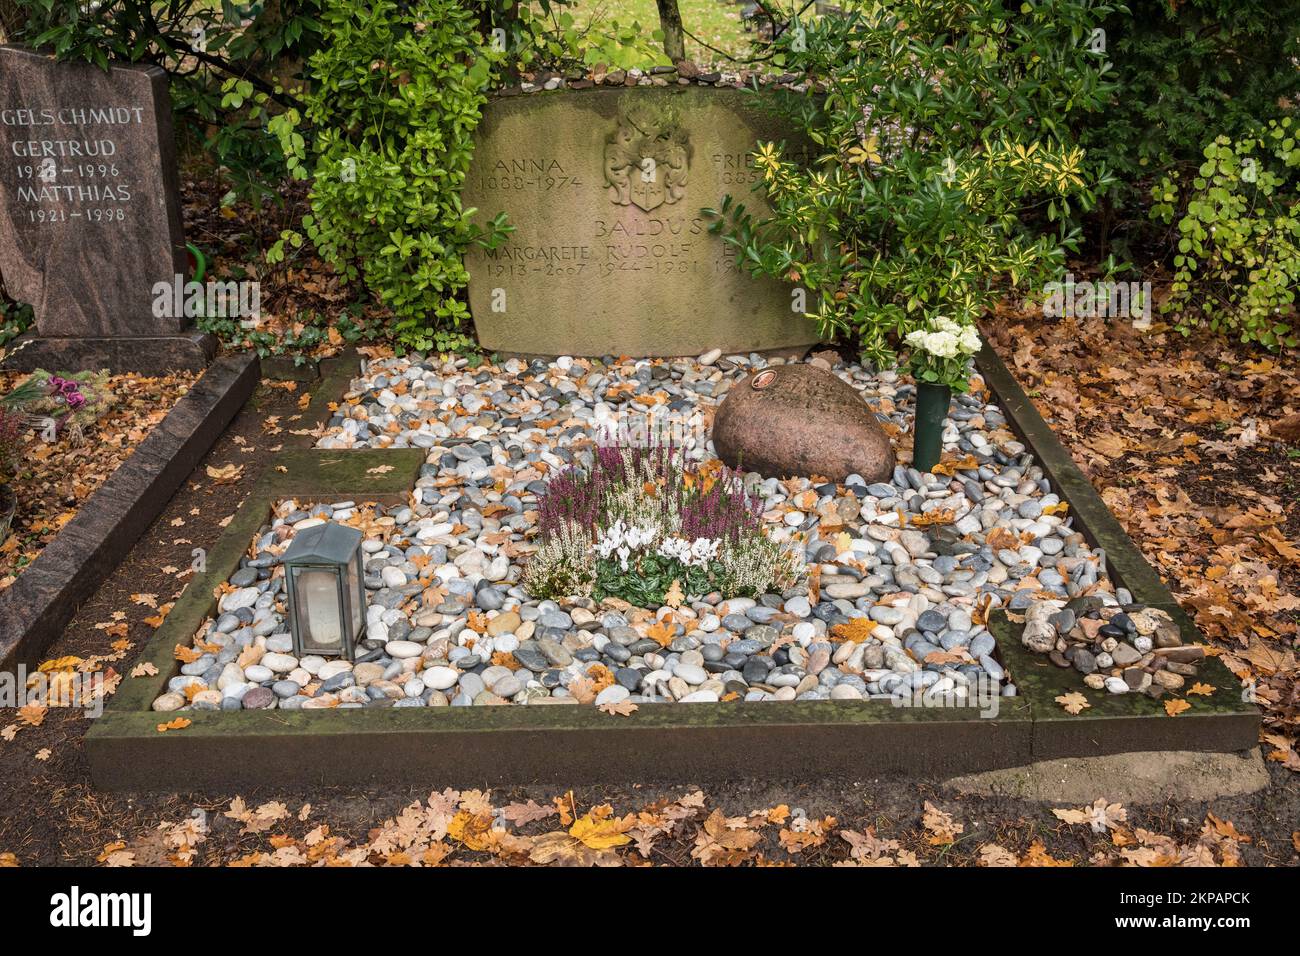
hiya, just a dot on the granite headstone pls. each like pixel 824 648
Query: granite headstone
pixel 90 217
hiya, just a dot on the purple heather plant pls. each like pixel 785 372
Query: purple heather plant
pixel 710 500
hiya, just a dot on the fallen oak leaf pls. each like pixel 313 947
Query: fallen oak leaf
pixel 991 854
pixel 662 633
pixel 522 813
pixel 179 723
pixel 1101 816
pixel 941 824
pixel 1175 707
pixel 1037 855
pixel 156 620
pixel 622 708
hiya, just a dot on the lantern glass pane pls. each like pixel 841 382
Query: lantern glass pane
pixel 319 610
pixel 355 592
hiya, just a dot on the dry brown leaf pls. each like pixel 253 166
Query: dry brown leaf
pixel 225 475
pixel 993 855
pixel 943 828
pixel 1073 702
pixel 623 708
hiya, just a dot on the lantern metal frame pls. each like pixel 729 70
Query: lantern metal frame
pixel 333 548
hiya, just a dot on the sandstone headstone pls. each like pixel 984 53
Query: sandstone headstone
pixel 90 214
pixel 611 253
pixel 801 420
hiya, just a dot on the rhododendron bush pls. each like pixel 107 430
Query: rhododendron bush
pixel 643 525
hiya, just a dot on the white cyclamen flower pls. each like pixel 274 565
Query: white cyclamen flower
pixel 623 540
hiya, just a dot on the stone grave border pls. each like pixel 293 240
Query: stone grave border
pixel 700 742
pixel 36 608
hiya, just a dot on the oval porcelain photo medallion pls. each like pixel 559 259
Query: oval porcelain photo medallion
pixel 763 379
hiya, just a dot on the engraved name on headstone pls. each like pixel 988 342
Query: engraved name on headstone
pixel 611 253
pixel 89 198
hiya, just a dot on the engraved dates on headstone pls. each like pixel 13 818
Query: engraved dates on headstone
pixel 611 253
pixel 89 200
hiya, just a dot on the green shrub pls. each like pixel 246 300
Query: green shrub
pixel 1188 69
pixel 396 93
pixel 947 163
pixel 1238 260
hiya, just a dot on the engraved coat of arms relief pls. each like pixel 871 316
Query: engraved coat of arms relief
pixel 646 158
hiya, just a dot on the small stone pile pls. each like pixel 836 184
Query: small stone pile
pixel 1129 649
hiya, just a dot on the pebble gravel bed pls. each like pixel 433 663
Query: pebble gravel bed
pixel 901 573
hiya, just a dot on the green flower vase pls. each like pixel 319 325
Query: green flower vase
pixel 932 403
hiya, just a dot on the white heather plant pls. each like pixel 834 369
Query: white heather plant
pixel 562 565
pixel 641 520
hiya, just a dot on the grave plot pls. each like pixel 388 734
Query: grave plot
pixel 444 573
pixel 62 461
pixel 91 237
pixel 892 635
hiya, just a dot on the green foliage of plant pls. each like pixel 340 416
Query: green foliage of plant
pixel 200 43
pixel 15 319
pixel 1189 68
pixel 647 582
pixel 311 331
pixel 396 93
pixel 1238 261
pixel 550 35
pixel 945 163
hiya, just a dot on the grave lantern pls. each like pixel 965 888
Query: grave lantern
pixel 327 593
